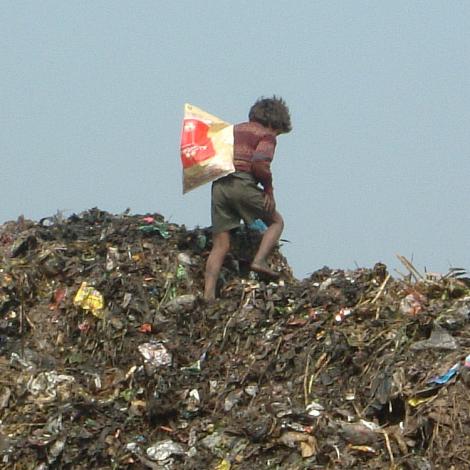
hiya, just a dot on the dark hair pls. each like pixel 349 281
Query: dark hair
pixel 271 112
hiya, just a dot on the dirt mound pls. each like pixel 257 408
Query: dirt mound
pixel 110 359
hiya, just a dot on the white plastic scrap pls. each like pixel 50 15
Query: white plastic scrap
pixel 370 425
pixel 5 397
pixel 314 408
pixel 181 303
pixel 16 359
pixel 184 258
pixel 342 314
pixel 56 449
pixel 132 447
pixel 112 258
pixel 164 449
pixel 252 390
pixel 192 452
pixel 232 399
pixel 130 372
pixel 156 354
pixel 193 401
pixel 213 387
pixel 47 382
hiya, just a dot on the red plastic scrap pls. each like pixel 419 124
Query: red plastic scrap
pixel 413 303
pixel 59 296
pixel 145 328
pixel 84 327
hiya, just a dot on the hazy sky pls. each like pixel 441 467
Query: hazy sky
pixel 91 104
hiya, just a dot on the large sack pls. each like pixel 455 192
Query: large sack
pixel 206 148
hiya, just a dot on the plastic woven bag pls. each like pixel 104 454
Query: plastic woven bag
pixel 206 148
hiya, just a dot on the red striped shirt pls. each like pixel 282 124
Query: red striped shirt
pixel 252 141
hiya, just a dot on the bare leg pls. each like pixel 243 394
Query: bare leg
pixel 220 247
pixel 268 242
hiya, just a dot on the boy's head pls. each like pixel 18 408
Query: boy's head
pixel 273 113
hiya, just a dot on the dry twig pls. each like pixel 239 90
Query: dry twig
pixel 381 289
pixel 408 265
pixel 305 379
pixel 389 449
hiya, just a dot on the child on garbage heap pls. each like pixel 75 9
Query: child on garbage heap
pixel 238 196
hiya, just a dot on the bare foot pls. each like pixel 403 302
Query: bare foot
pixel 208 301
pixel 263 268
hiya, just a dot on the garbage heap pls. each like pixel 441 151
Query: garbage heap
pixel 110 359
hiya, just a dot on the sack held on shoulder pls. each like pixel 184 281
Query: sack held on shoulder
pixel 206 148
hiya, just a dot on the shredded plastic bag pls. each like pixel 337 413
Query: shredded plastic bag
pixel 88 298
pixel 206 148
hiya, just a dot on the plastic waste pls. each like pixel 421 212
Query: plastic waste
pixel 439 339
pixel 366 449
pixel 112 258
pixel 360 433
pixel 251 390
pixel 258 225
pixel 342 314
pixel 416 401
pixel 181 303
pixel 196 367
pixel 46 384
pixel 5 395
pixel 271 354
pixel 306 442
pixel 155 354
pixel 465 371
pixel 232 399
pixel 56 449
pixel 146 328
pixel 156 227
pixel 181 272
pixel 162 450
pixel 59 296
pixel 444 378
pixel 314 409
pixel 412 304
pixel 88 298
pixel 185 259
pixel 224 464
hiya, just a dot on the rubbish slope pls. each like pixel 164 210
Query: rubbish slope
pixel 109 359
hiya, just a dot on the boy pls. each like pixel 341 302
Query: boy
pixel 238 196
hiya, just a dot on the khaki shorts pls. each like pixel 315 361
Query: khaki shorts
pixel 236 197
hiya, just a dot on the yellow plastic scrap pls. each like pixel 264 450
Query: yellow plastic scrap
pixel 364 449
pixel 88 298
pixel 223 465
pixel 415 401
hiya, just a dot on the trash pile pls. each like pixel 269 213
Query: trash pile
pixel 110 359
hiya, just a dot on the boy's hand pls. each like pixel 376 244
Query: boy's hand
pixel 269 203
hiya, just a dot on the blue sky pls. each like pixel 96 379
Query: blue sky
pixel 92 94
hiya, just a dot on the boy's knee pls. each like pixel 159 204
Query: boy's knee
pixel 224 248
pixel 221 243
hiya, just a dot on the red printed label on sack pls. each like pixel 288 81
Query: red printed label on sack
pixel 196 146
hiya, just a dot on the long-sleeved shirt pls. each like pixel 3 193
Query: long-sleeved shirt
pixel 254 147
